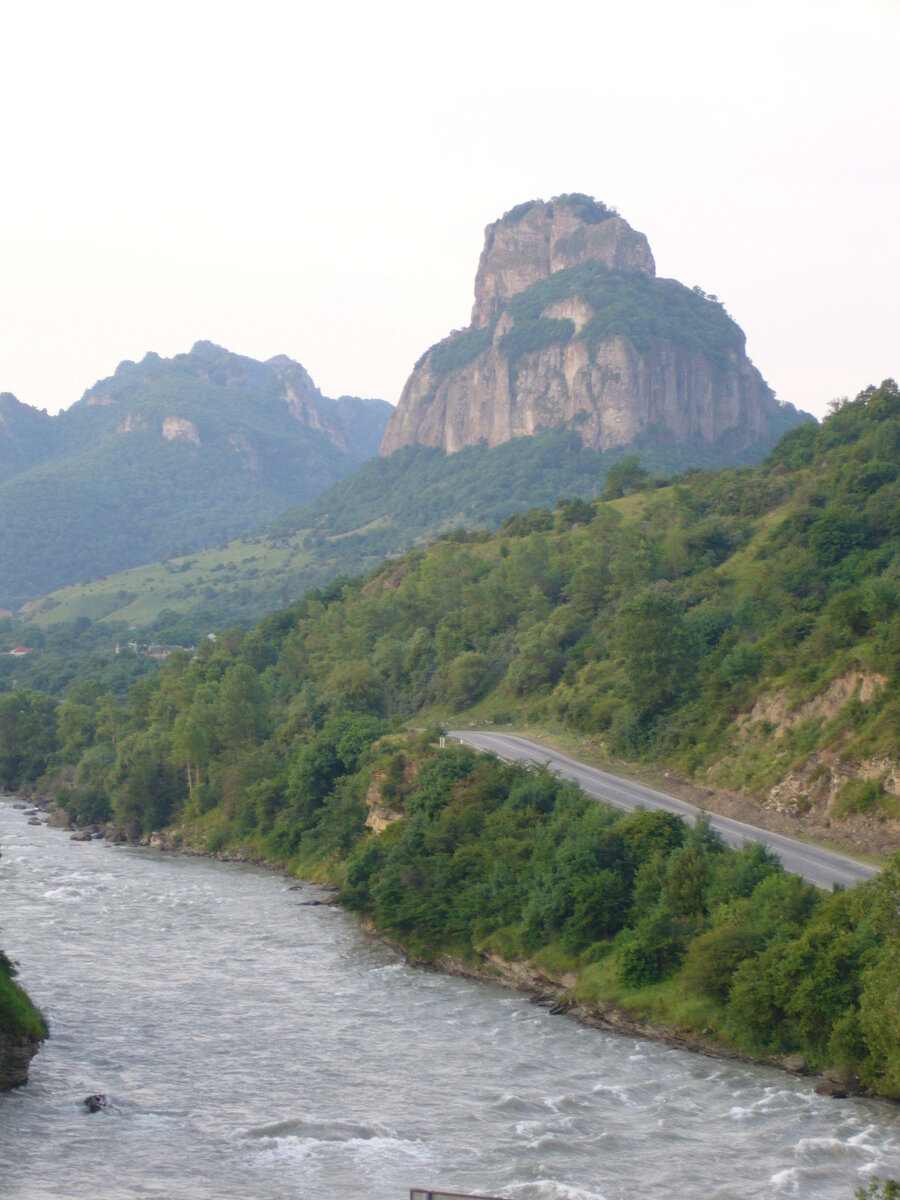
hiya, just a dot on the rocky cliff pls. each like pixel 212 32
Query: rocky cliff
pixel 571 327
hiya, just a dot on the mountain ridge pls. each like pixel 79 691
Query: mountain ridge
pixel 164 456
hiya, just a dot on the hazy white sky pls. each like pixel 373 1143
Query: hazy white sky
pixel 316 183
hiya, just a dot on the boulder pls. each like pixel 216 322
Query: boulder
pixel 828 1087
pixel 795 1063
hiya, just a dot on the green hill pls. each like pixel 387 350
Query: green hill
pixel 166 456
pixel 738 625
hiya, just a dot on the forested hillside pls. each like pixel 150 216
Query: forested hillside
pixel 383 508
pixel 165 456
pixel 27 435
pixel 739 625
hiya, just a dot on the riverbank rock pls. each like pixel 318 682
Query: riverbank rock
pixel 160 841
pixel 16 1053
pixel 795 1063
pixel 828 1087
pixel 838 1082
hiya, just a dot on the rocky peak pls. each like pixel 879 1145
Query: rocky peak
pixel 572 328
pixel 537 239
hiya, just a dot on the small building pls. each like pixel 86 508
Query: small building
pixel 20 651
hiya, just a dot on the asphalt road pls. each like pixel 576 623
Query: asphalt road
pixel 822 867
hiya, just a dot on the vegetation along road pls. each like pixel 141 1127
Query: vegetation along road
pixel 824 868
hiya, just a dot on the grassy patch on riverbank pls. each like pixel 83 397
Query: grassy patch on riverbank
pixel 18 1016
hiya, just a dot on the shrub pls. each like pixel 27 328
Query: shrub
pixel 713 958
pixel 864 796
pixel 649 951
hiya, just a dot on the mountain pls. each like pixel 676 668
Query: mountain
pixel 165 456
pixel 495 419
pixel 571 327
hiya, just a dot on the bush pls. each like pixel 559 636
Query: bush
pixel 713 958
pixel 649 952
pixel 864 796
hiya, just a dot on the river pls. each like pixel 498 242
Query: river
pixel 255 1047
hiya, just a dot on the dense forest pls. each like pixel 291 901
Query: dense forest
pixel 657 619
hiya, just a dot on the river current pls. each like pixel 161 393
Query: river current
pixel 253 1046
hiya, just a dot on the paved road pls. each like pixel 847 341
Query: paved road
pixel 821 867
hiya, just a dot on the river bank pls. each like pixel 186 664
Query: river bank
pixel 557 991
pixel 252 1044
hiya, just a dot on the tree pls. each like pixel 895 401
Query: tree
pixel 28 736
pixel 625 477
pixel 657 650
pixel 468 677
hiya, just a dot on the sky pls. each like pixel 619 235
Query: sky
pixel 317 183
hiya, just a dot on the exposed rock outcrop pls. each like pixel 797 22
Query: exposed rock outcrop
pixel 16 1052
pixel 525 246
pixel 818 786
pixel 571 327
pixel 180 429
pixel 381 813
pixel 775 708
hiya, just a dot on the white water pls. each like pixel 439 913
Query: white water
pixel 255 1048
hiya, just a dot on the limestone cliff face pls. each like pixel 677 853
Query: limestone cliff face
pixel 571 327
pixel 613 396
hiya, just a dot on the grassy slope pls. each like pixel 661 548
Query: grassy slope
pixel 387 506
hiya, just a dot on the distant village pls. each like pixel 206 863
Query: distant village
pixel 156 650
